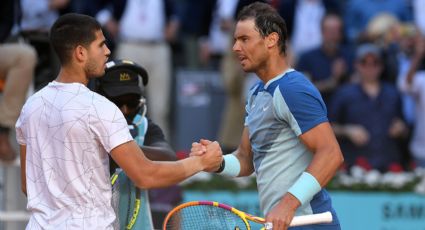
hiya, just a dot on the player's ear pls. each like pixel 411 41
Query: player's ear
pixel 80 53
pixel 272 39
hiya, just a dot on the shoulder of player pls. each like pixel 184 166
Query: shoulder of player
pixel 292 83
pixel 101 106
pixel 32 100
pixel 101 99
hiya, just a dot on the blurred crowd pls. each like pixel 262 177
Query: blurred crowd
pixel 365 56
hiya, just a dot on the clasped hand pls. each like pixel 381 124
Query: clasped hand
pixel 207 147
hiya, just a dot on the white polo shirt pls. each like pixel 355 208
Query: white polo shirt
pixel 68 131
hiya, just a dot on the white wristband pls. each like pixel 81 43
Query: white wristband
pixel 305 188
pixel 232 166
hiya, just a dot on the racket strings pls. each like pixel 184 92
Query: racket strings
pixel 206 218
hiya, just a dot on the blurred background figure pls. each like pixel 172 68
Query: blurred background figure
pixel 124 84
pixel 413 83
pixel 303 19
pixel 144 31
pixel 418 15
pixel 384 31
pixel 214 47
pixel 17 62
pixel 358 13
pixel 367 116
pixel 195 23
pixel 329 64
pixel 32 27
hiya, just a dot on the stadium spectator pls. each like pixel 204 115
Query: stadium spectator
pixel 358 13
pixel 127 94
pixel 367 116
pixel 214 46
pixel 414 84
pixel 144 32
pixel 303 19
pixel 329 64
pixel 17 62
pixel 33 27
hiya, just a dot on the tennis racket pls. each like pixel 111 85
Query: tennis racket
pixel 130 204
pixel 213 215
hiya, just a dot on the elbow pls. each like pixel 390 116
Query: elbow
pixel 335 156
pixel 145 182
pixel 339 159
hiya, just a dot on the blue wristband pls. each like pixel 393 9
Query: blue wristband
pixel 305 188
pixel 232 167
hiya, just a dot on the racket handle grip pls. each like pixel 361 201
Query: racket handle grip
pixel 320 218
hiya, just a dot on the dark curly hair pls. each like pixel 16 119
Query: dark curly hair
pixel 267 21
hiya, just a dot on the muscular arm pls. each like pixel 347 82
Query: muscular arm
pixel 151 174
pixel 23 156
pixel 159 153
pixel 327 157
pixel 244 154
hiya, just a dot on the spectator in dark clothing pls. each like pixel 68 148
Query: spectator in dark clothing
pixel 366 116
pixel 126 93
pixel 287 10
pixel 329 64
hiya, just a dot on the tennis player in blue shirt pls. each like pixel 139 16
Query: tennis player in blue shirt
pixel 287 139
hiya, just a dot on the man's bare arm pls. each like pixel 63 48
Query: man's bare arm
pixel 327 155
pixel 327 158
pixel 244 154
pixel 242 161
pixel 159 153
pixel 151 174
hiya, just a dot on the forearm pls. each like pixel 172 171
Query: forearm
pixel 158 153
pixel 327 158
pixel 244 154
pixel 165 173
pixel 245 160
pixel 149 174
pixel 325 164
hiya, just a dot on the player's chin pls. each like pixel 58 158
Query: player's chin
pixel 98 74
pixel 247 68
